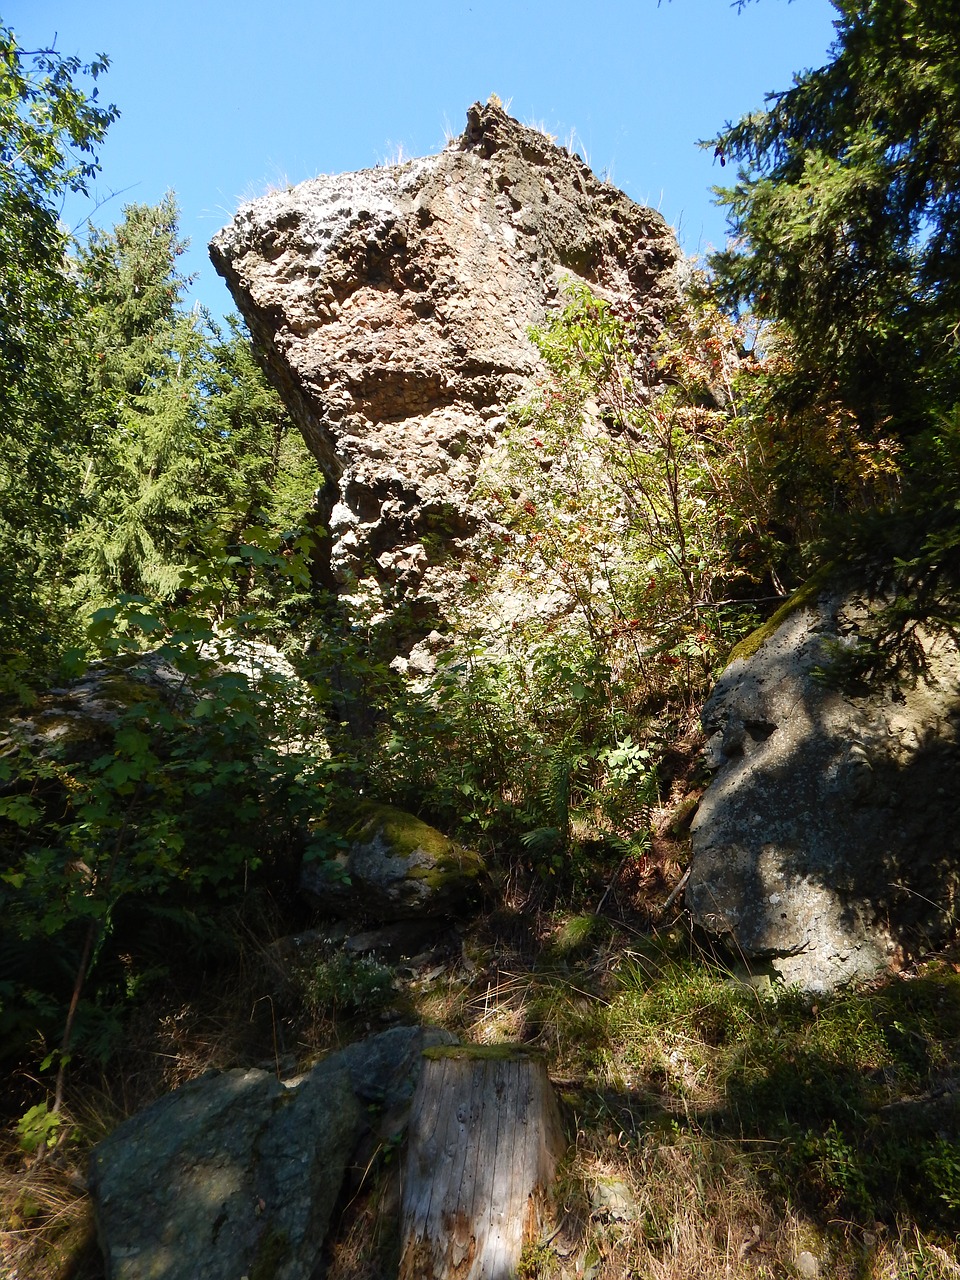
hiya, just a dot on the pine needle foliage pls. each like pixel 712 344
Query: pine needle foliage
pixel 845 215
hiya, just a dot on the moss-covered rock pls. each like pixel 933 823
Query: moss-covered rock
pixel 74 721
pixel 391 866
pixel 804 597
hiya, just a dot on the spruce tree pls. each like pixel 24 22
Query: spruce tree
pixel 845 216
pixel 49 129
pixel 190 446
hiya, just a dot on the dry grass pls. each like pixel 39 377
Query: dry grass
pixel 46 1219
pixel 639 1035
pixel 673 1210
pixel 367 1240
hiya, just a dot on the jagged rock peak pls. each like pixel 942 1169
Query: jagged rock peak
pixel 391 309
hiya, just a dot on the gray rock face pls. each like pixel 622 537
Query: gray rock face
pixel 828 840
pixel 393 867
pixel 391 307
pixel 238 1175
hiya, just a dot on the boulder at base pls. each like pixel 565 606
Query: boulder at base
pixel 236 1174
pixel 828 842
pixel 392 866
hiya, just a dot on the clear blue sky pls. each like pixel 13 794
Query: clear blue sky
pixel 222 99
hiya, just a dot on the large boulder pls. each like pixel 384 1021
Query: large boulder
pixel 828 841
pixel 389 865
pixel 236 1174
pixel 391 308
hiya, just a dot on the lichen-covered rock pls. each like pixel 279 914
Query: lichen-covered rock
pixel 392 866
pixel 238 1175
pixel 74 719
pixel 828 841
pixel 391 307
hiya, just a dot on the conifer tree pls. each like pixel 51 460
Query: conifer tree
pixel 846 213
pixel 189 438
pixel 49 129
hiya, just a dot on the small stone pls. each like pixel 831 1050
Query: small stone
pixel 808 1266
pixel 613 1199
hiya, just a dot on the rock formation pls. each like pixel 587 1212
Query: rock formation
pixel 236 1174
pixel 828 842
pixel 391 309
pixel 389 865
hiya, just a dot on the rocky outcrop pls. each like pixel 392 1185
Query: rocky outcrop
pixel 828 841
pixel 391 308
pixel 389 865
pixel 236 1174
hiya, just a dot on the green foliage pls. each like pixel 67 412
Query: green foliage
pixel 170 808
pixel 49 130
pixel 134 429
pixel 636 497
pixel 348 985
pixel 844 216
pixel 846 234
pixel 493 744
pixel 908 557
pixel 537 1261
pixel 189 434
pixel 38 1127
pixel 844 1089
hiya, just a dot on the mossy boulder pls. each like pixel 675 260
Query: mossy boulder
pixel 74 721
pixel 389 865
pixel 804 597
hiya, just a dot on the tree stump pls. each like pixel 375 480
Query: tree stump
pixel 483 1143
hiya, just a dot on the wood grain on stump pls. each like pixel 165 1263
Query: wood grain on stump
pixel 483 1144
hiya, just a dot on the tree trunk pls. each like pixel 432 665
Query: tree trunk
pixel 483 1142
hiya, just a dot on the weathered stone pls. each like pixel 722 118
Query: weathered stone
pixel 391 308
pixel 74 719
pixel 808 1266
pixel 828 841
pixel 392 866
pixel 236 1174
pixel 611 1198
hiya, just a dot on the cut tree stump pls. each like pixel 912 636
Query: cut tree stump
pixel 483 1143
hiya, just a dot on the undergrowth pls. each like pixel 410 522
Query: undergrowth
pixel 718 1126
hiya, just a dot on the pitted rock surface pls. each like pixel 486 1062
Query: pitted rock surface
pixel 391 308
pixel 828 841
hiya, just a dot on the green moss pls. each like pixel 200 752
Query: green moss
pixel 405 835
pixel 800 599
pixel 462 864
pixel 272 1251
pixel 65 730
pixel 481 1052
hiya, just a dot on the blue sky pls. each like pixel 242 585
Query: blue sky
pixel 222 99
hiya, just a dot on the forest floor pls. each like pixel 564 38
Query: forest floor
pixel 718 1126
